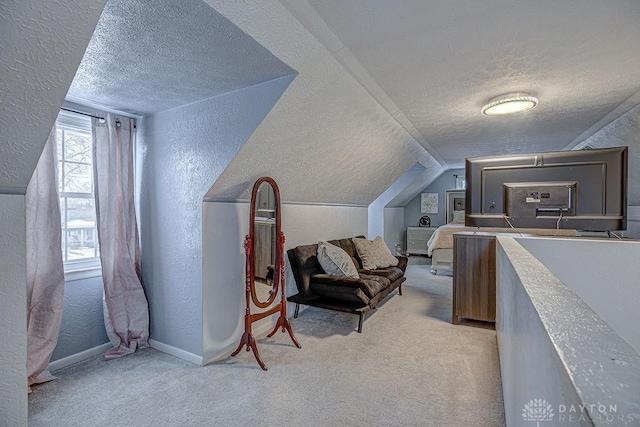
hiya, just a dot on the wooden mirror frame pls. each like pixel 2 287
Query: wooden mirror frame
pixel 252 240
pixel 279 284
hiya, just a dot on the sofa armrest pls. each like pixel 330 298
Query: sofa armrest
pixel 402 262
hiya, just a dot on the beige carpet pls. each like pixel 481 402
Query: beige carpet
pixel 409 367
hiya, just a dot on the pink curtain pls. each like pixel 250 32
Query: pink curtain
pixel 126 308
pixel 45 269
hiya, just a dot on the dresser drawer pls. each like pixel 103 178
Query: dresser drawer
pixel 416 244
pixel 417 238
pixel 419 233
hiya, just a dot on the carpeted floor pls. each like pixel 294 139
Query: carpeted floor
pixel 409 367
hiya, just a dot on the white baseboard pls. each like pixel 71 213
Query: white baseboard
pixel 258 329
pixel 79 357
pixel 174 351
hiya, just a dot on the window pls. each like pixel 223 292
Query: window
pixel 80 249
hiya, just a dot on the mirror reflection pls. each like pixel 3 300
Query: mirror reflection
pixel 265 243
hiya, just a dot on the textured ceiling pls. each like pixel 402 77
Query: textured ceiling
pixel 434 64
pixel 623 131
pixel 149 56
pixel 326 140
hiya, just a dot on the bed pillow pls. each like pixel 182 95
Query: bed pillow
pixel 336 261
pixel 458 217
pixel 374 253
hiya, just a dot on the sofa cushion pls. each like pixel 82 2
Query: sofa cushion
pixel 371 285
pixel 391 273
pixel 374 284
pixel 374 253
pixel 348 246
pixel 340 293
pixel 335 261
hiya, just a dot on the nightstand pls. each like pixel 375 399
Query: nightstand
pixel 417 238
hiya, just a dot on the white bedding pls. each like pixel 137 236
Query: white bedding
pixel 442 238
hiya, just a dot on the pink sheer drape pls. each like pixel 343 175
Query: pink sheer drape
pixel 126 308
pixel 45 269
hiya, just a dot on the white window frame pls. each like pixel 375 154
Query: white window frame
pixel 86 268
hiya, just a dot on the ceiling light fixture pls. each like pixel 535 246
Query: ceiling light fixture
pixel 509 104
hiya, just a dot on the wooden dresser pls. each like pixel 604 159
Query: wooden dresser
pixel 417 238
pixel 474 276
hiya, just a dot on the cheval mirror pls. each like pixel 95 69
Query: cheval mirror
pixel 265 268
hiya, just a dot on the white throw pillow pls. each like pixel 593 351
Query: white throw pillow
pixel 336 261
pixel 458 217
pixel 374 253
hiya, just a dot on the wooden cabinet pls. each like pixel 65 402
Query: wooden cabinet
pixel 417 238
pixel 474 276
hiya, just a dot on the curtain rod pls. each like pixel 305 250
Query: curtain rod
pixel 80 112
pixel 102 119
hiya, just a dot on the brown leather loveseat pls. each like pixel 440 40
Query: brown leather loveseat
pixel 351 295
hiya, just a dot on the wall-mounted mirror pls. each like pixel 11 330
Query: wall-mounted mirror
pixel 264 249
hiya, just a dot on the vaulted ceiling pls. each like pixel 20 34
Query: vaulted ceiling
pixel 380 85
pixel 439 62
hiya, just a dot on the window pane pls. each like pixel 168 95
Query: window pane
pixel 59 177
pixel 62 211
pixel 77 146
pixel 81 213
pixel 81 243
pixel 80 233
pixel 59 143
pixel 77 178
pixel 75 175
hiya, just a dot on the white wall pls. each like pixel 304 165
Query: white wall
pixel 633 223
pixel 43 43
pixel 553 346
pixel 82 326
pixel 183 151
pixel 625 131
pixel 394 228
pixel 378 214
pixel 13 308
pixel 529 365
pixel 604 274
pixel 225 225
pixel 445 182
pixel 37 62
pixel 327 139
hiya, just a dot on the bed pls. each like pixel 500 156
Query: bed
pixel 440 245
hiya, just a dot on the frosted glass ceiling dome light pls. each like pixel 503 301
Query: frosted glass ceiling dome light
pixel 509 104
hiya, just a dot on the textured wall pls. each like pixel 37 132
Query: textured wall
pixel 82 325
pixel 327 139
pixel 394 228
pixel 182 153
pixel 604 275
pixel 552 346
pixel 416 186
pixel 445 182
pixel 623 131
pixel 13 319
pixel 377 219
pixel 224 259
pixel 43 43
